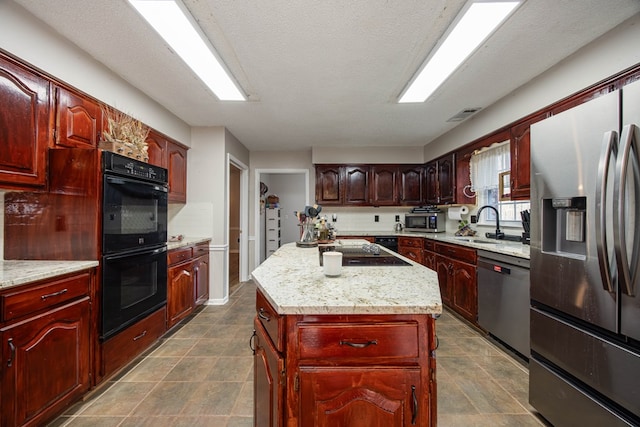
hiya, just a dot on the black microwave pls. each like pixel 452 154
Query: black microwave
pixel 426 222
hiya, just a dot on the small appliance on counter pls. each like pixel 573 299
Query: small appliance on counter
pixel 426 219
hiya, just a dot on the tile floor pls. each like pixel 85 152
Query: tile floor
pixel 201 375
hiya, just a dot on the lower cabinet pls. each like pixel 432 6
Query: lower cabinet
pixel 456 268
pixel 411 247
pixel 187 281
pixel 369 370
pixel 46 349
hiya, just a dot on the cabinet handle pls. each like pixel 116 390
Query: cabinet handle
pixel 140 336
pixel 54 294
pixel 263 316
pixel 359 344
pixel 13 352
pixel 414 405
pixel 186 273
pixel 251 344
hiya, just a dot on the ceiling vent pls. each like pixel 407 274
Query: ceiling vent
pixel 464 114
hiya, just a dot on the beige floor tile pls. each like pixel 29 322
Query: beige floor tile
pixel 244 402
pixel 176 347
pixel 151 369
pixel 230 369
pixel 81 421
pixel 166 399
pixel 120 399
pixel 212 398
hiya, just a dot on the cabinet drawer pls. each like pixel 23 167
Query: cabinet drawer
pixel 271 321
pixel 349 341
pixel 179 255
pixel 200 249
pixel 457 252
pixel 412 242
pixel 29 299
pixel 429 245
pixel 124 347
pixel 413 254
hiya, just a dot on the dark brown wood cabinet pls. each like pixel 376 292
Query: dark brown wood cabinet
pixel 187 281
pixel 46 336
pixel 520 146
pixel 356 185
pixel 411 185
pixel 441 180
pixel 78 120
pixel 370 185
pixel 384 185
pixel 377 369
pixel 166 153
pixel 411 247
pixel 24 125
pixel 456 268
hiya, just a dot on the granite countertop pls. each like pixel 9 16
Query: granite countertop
pixel 14 273
pixel 186 241
pixel 504 247
pixel 293 282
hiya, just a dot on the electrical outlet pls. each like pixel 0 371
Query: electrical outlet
pixel 397 218
pixel 376 218
pixel 474 219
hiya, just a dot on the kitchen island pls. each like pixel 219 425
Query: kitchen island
pixel 357 349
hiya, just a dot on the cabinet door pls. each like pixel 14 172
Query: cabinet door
pixel 372 397
pixel 177 165
pixel 520 158
pixel 329 185
pixel 356 191
pixel 411 182
pixel 429 259
pixel 268 381
pixel 465 290
pixel 180 294
pixel 46 363
pixel 78 120
pixel 201 276
pixel 431 171
pixel 157 149
pixel 447 179
pixel 24 125
pixel 384 188
pixel 443 268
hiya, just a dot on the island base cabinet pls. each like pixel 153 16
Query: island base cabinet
pixel 372 397
pixel 45 364
pixel 268 380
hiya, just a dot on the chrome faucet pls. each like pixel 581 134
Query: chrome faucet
pixel 499 234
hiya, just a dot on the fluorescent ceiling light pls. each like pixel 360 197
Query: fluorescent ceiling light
pixel 478 20
pixel 176 26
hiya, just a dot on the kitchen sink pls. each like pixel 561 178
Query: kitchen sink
pixel 481 241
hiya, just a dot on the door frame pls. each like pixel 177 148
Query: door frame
pixel 244 217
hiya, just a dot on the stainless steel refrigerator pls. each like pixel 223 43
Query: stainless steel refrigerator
pixel 585 263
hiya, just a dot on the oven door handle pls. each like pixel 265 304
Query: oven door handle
pixel 156 251
pixel 116 180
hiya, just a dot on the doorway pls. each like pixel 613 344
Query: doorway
pixel 234 228
pixel 292 188
pixel 237 222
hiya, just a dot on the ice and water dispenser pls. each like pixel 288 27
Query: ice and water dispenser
pixel 564 226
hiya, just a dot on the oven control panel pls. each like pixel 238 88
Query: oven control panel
pixel 122 165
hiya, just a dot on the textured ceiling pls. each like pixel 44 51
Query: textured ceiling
pixel 329 72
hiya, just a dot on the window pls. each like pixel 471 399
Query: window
pixel 486 166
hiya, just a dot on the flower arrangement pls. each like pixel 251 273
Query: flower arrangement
pixel 125 135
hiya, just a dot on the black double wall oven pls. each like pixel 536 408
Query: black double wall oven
pixel 134 241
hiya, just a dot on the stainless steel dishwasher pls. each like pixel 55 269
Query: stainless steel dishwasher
pixel 503 299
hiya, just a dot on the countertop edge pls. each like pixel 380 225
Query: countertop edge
pixel 14 273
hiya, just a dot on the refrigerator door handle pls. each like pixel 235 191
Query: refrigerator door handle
pixel 628 156
pixel 609 148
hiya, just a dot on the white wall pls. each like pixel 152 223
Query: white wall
pixel 26 37
pixel 290 188
pixel 606 56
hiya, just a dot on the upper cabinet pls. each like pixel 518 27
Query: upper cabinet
pixel 384 185
pixel 441 180
pixel 329 186
pixel 411 185
pixel 370 185
pixel 78 120
pixel 169 154
pixel 520 158
pixel 24 126
pixel 356 188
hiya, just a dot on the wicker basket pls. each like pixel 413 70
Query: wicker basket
pixel 124 149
